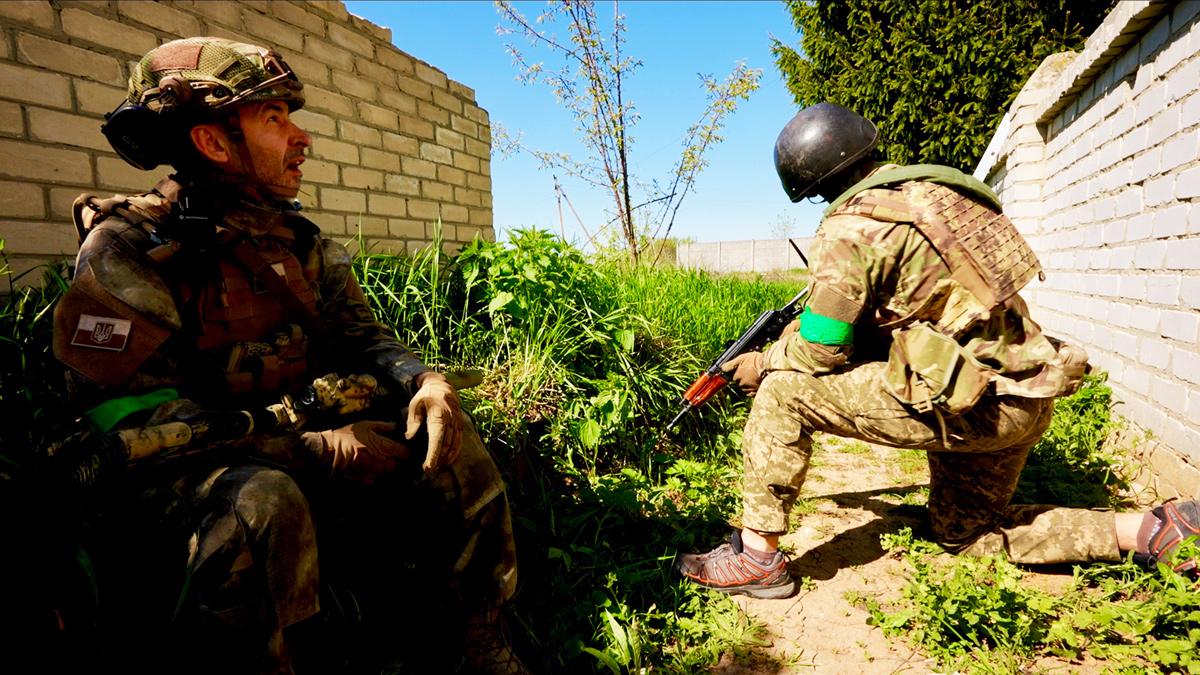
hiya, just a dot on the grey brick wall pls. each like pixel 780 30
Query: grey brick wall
pixel 757 255
pixel 396 144
pixel 1098 163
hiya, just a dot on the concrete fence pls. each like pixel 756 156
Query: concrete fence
pixel 1098 164
pixel 763 255
pixel 396 144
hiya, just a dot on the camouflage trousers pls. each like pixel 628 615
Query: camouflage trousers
pixel 974 465
pixel 254 549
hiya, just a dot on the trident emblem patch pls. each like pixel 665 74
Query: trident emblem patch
pixel 102 332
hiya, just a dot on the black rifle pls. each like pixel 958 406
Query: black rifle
pixel 766 328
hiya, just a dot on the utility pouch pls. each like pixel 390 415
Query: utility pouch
pixel 928 370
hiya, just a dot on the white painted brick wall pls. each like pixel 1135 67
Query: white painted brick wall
pixel 1118 220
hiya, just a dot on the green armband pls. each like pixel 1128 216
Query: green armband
pixel 823 330
pixel 110 413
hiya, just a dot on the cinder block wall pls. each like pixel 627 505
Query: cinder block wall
pixel 1098 163
pixel 396 145
pixel 758 255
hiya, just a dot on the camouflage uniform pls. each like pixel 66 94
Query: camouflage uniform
pixel 252 554
pixel 874 270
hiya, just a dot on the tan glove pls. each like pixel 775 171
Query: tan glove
pixel 359 450
pixel 747 371
pixel 436 406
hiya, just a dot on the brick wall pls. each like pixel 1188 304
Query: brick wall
pixel 396 144
pixel 1098 163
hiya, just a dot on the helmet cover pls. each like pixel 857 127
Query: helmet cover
pixel 207 74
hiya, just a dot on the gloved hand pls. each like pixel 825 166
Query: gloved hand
pixel 747 371
pixel 436 405
pixel 359 450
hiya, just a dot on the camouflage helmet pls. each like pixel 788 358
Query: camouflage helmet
pixel 818 143
pixel 187 81
pixel 208 74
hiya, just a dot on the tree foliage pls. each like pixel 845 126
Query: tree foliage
pixel 936 76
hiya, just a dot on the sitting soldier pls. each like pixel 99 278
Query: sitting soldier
pixel 212 292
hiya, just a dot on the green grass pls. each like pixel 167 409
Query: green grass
pixel 1071 465
pixel 974 615
pixel 32 388
pixel 584 364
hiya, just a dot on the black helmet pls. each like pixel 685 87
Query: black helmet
pixel 819 142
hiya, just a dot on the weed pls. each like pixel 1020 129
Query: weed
pixel 31 379
pixel 584 364
pixel 911 463
pixel 853 447
pixel 975 604
pixel 973 615
pixel 1070 465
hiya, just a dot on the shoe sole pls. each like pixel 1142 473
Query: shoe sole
pixel 761 592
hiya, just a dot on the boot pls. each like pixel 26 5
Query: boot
pixel 486 649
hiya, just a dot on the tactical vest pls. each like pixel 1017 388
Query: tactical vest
pixel 249 312
pixel 985 253
pixel 240 318
pixel 931 363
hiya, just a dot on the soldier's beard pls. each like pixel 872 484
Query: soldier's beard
pixel 247 178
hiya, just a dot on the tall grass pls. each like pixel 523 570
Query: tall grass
pixel 31 380
pixel 585 365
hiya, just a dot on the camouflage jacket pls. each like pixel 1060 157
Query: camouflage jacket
pixel 352 341
pixel 881 276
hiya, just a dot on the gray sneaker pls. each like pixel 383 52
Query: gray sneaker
pixel 1178 521
pixel 729 569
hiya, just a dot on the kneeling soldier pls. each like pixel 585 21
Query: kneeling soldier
pixel 914 336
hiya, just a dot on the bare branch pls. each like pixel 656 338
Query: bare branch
pixel 590 84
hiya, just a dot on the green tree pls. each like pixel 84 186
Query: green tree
pixel 936 76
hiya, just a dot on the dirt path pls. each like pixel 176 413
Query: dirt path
pixel 854 493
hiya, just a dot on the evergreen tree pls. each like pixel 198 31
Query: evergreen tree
pixel 936 76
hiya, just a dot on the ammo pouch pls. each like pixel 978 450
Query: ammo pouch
pixel 929 370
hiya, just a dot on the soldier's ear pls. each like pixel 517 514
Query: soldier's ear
pixel 213 144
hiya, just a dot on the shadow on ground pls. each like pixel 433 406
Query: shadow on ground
pixel 860 545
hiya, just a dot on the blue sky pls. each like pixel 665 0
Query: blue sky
pixel 737 197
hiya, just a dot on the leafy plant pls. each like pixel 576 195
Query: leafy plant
pixel 623 653
pixel 1071 465
pixel 31 379
pixel 973 614
pixel 584 365
pixel 974 604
